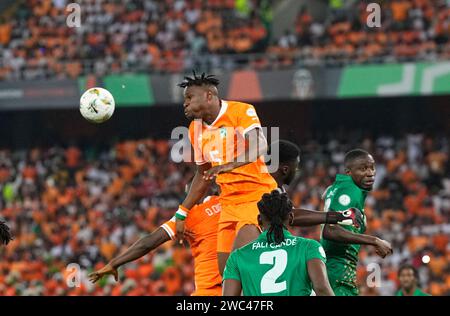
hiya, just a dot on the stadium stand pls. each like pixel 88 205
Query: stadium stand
pixel 177 35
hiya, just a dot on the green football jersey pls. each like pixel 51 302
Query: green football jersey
pixel 342 259
pixel 269 269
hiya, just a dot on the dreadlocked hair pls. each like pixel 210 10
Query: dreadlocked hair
pixel 275 207
pixel 203 80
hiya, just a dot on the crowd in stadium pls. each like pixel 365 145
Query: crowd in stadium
pixel 178 35
pixel 85 205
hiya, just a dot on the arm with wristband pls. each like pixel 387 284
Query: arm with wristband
pixel 197 191
pixel 303 217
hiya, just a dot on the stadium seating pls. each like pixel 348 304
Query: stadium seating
pixel 178 35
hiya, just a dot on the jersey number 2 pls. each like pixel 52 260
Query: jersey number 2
pixel 277 258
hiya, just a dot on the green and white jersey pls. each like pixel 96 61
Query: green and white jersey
pixel 269 269
pixel 342 259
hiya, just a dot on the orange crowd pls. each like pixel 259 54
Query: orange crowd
pixel 177 35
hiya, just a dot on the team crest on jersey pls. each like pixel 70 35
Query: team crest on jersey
pixel 344 199
pixel 223 132
pixel 251 112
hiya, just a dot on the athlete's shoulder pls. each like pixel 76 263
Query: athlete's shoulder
pixel 211 201
pixel 344 191
pixel 240 108
pixel 195 123
pixel 311 242
pixel 302 241
pixel 326 191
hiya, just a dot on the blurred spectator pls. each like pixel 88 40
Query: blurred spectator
pixel 409 282
pixel 176 35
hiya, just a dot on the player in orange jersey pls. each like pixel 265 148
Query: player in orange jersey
pixel 228 145
pixel 202 228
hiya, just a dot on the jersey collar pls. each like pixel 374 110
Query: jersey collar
pixel 223 109
pixel 346 178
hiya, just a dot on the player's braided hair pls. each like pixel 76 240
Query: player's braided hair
pixel 202 80
pixel 5 235
pixel 275 207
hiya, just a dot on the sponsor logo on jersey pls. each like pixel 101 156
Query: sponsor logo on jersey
pixel 223 132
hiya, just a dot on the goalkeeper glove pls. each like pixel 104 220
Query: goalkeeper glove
pixel 351 216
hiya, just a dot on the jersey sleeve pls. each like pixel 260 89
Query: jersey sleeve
pixel 195 132
pixel 231 269
pixel 342 199
pixel 247 118
pixel 315 251
pixel 170 227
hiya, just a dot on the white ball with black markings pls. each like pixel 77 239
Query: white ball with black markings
pixel 97 105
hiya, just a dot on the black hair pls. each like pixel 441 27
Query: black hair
pixel 275 207
pixel 354 154
pixel 288 151
pixel 203 80
pixel 407 266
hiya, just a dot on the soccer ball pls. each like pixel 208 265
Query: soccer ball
pixel 97 105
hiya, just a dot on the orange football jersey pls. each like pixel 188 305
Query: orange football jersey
pixel 222 142
pixel 202 222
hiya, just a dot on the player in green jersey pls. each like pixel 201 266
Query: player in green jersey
pixel 289 160
pixel 409 279
pixel 342 243
pixel 276 263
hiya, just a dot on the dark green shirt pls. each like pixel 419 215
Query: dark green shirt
pixel 271 269
pixel 342 259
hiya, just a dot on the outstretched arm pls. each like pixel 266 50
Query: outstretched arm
pixel 139 249
pixel 303 217
pixel 341 235
pixel 257 146
pixel 197 191
pixel 318 275
pixel 198 188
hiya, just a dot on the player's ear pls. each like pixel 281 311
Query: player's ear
pixel 209 95
pixel 259 220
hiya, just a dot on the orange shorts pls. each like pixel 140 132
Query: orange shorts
pixel 232 218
